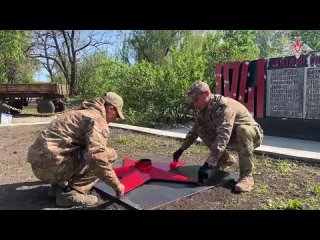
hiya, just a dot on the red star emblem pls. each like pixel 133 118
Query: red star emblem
pixel 297 46
pixel 135 173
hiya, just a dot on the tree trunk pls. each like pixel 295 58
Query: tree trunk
pixel 73 80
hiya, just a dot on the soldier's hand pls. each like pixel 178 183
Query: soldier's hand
pixel 119 190
pixel 177 154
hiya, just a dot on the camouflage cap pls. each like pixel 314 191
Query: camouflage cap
pixel 196 89
pixel 116 101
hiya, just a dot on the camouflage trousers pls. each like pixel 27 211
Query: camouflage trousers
pixel 73 170
pixel 245 139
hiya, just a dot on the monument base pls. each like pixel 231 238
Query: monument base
pixel 291 128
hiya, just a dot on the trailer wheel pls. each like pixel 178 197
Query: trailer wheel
pixel 25 102
pixel 60 107
pixel 45 106
pixel 16 104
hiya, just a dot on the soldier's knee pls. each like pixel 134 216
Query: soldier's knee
pixel 245 134
pixel 248 137
pixel 242 131
pixel 43 174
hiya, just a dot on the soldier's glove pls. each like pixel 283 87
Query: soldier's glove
pixel 177 154
pixel 204 172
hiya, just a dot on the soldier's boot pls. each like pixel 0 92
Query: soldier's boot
pixel 226 161
pixel 245 184
pixel 71 198
pixel 77 193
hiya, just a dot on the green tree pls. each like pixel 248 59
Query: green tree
pixel 239 45
pixel 272 42
pixel 309 37
pixel 62 50
pixel 15 63
pixel 155 45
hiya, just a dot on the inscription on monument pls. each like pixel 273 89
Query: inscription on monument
pixel 286 93
pixel 313 94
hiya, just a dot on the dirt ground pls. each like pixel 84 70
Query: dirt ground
pixel 280 184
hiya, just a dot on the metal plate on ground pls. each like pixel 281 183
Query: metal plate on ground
pixel 155 194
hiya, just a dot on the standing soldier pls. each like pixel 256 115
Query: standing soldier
pixel 73 150
pixel 221 121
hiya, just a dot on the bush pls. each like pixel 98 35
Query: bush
pixel 152 95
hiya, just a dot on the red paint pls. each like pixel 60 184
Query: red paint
pixel 135 173
pixel 255 93
pixel 243 91
pixel 297 46
pixel 234 66
pixel 260 88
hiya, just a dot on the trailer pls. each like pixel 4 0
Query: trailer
pixel 50 96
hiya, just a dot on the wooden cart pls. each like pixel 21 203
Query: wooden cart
pixel 50 96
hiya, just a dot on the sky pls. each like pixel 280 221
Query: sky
pixel 115 37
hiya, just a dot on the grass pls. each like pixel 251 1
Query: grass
pixel 285 167
pixel 137 141
pixel 312 204
pixel 314 189
pixel 293 186
pixel 261 190
pixel 126 140
pixel 266 163
pixel 76 101
pixel 279 204
pixel 31 110
pixel 145 143
pixel 197 149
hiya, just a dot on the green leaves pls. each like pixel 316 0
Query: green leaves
pixel 15 66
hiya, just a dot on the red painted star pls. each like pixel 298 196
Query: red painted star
pixel 135 173
pixel 297 46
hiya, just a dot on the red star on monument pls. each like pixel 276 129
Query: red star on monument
pixel 135 173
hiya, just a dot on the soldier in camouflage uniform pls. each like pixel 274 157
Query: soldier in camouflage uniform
pixel 220 122
pixel 72 153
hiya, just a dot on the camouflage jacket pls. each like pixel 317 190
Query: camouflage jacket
pixel 83 130
pixel 222 115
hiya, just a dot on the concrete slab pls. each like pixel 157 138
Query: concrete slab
pixel 24 124
pixel 27 119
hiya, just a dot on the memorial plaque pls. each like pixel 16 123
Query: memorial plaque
pixel 285 93
pixel 313 93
